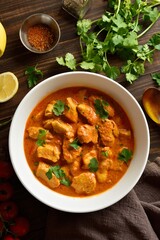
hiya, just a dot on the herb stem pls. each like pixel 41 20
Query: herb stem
pixel 118 7
pixel 147 29
pixel 5 122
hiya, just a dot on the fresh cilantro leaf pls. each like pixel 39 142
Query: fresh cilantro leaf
pixel 61 61
pixel 100 110
pixel 130 77
pixel 130 40
pixel 49 173
pixel 154 41
pixel 133 70
pixel 125 155
pixel 83 26
pixel 144 53
pixel 75 144
pixel 150 14
pixel 58 107
pixel 65 181
pixel 93 165
pixel 111 71
pixel 41 137
pixel 104 153
pixel 87 65
pixel 68 61
pixel 156 78
pixel 33 75
pixel 59 173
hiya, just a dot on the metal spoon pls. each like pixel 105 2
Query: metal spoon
pixel 151 103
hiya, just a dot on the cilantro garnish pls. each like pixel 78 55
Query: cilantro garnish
pixel 69 61
pixel 33 75
pixel 125 155
pixel 104 153
pixel 100 110
pixel 75 144
pixel 122 26
pixel 156 78
pixel 93 165
pixel 41 137
pixel 58 107
pixel 59 173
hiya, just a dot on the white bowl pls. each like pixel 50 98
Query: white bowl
pixel 95 202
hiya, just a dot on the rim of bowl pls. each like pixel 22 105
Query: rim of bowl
pixel 23 34
pixel 90 203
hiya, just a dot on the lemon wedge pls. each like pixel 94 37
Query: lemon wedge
pixel 3 39
pixel 8 86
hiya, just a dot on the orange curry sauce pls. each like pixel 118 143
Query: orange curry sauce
pixel 106 151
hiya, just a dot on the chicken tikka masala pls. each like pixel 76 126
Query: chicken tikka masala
pixel 78 141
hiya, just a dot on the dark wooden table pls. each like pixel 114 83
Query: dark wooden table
pixel 17 58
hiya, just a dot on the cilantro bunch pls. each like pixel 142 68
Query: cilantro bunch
pixel 117 32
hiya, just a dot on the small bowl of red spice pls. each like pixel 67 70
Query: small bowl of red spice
pixel 40 33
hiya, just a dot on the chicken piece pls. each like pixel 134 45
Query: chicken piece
pixel 41 171
pixel 87 157
pixel 124 133
pixel 108 130
pixel 82 94
pixel 87 133
pixel 84 183
pixel 88 112
pixel 75 167
pixel 49 109
pixel 49 152
pixel 56 140
pixel 69 153
pixel 48 123
pixel 106 164
pixel 63 128
pixel 38 116
pixel 110 110
pixel 71 110
pixel 101 176
pixel 104 153
pixel 35 132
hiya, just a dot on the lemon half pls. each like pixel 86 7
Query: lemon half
pixel 8 86
pixel 3 39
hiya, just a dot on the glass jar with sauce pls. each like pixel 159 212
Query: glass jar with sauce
pixel 77 8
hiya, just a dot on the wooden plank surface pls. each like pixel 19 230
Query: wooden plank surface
pixel 17 58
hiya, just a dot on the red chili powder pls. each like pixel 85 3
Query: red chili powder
pixel 41 37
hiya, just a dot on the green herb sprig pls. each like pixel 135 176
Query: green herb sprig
pixel 75 144
pixel 100 108
pixel 5 122
pixel 33 75
pixel 41 137
pixel 58 107
pixel 59 173
pixel 125 155
pixel 156 78
pixel 117 31
pixel 93 165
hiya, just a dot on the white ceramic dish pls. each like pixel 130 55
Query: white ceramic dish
pixel 92 203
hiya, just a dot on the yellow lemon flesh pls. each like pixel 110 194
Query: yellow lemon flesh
pixel 8 86
pixel 3 39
